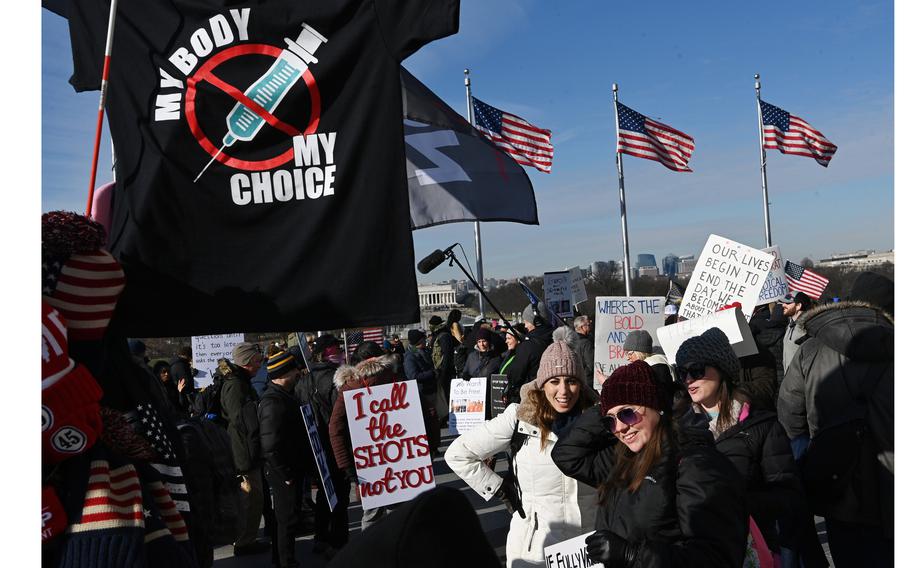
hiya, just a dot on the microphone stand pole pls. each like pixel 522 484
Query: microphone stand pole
pixel 454 259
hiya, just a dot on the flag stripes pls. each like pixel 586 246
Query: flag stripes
pixel 790 134
pixel 113 499
pixel 800 279
pixel 525 143
pixel 642 137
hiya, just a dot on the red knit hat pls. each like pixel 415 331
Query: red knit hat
pixel 631 384
pixel 70 410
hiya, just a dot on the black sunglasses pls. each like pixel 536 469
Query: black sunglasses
pixel 695 371
pixel 628 416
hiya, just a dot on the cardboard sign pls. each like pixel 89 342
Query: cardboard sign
pixel 467 404
pixel 498 384
pixel 614 318
pixel 579 294
pixel 726 272
pixel 731 322
pixel 319 453
pixel 557 293
pixel 570 553
pixel 207 349
pixel 391 451
pixel 775 286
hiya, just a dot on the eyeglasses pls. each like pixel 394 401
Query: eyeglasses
pixel 696 371
pixel 628 416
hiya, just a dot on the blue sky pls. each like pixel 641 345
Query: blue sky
pixel 553 63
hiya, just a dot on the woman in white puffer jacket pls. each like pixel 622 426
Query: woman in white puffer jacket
pixel 548 506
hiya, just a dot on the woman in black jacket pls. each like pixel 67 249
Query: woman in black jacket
pixel 750 436
pixel 667 497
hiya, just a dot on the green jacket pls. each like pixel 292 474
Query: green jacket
pixel 243 427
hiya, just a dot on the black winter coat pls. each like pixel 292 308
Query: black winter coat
pixel 481 364
pixel 759 449
pixel 527 360
pixel 418 366
pixel 690 509
pixel 285 443
pixel 317 388
pixel 586 354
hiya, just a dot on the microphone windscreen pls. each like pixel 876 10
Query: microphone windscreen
pixel 431 261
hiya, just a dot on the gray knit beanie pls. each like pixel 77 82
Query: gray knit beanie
pixel 639 340
pixel 710 348
pixel 557 361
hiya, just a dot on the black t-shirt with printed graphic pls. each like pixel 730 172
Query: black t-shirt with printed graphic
pixel 301 220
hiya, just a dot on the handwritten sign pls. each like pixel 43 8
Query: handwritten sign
pixel 579 294
pixel 775 286
pixel 726 272
pixel 467 404
pixel 498 384
pixel 614 318
pixel 319 454
pixel 391 452
pixel 557 293
pixel 207 349
pixel 570 553
pixel 731 322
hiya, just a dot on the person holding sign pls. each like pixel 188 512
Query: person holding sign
pixel 750 436
pixel 667 497
pixel 546 507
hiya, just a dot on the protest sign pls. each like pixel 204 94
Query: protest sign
pixel 498 384
pixel 319 454
pixel 731 322
pixel 614 318
pixel 570 553
pixel 726 272
pixel 207 349
pixel 391 451
pixel 467 404
pixel 557 293
pixel 579 294
pixel 775 286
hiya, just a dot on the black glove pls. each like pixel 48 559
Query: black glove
pixel 351 475
pixel 610 550
pixel 508 493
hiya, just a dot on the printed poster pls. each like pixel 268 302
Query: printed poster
pixel 570 553
pixel 467 404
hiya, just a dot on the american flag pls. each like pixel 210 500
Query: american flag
pixel 792 135
pixel 113 499
pixel 525 143
pixel 148 424
pixel 642 137
pixel 358 336
pixel 801 279
pixel 85 288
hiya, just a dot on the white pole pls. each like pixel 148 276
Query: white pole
pixel 478 251
pixel 764 160
pixel 627 270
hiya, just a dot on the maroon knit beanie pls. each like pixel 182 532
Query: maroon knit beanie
pixel 630 384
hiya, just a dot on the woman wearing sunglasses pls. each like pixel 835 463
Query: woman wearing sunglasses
pixel 667 497
pixel 546 507
pixel 752 438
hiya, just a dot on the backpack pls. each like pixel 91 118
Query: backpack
pixel 461 357
pixel 207 403
pixel 248 428
pixel 437 353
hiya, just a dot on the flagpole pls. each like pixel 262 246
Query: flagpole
pixel 764 160
pixel 103 98
pixel 627 270
pixel 478 252
pixel 344 334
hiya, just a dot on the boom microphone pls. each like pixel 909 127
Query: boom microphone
pixel 434 259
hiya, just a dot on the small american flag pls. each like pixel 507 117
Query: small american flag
pixel 792 135
pixel 801 279
pixel 148 424
pixel 525 143
pixel 642 137
pixel 358 336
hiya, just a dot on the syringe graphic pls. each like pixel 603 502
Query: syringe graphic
pixel 268 91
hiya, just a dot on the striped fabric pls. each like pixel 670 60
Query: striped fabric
pixel 170 515
pixel 85 288
pixel 172 477
pixel 113 499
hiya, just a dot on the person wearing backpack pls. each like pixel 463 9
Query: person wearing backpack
pixel 546 506
pixel 839 390
pixel 238 407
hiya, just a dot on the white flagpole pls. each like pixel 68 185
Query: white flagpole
pixel 627 270
pixel 344 334
pixel 478 252
pixel 764 160
pixel 102 99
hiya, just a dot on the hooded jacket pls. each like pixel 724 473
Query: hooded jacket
pixel 418 366
pixel 690 508
pixel 556 508
pixel 527 360
pixel 285 443
pixel 317 388
pixel 235 392
pixel 844 372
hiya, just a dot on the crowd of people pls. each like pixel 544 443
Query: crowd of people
pixel 714 460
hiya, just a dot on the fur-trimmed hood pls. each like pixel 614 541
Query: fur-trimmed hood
pixel 858 330
pixel 369 372
pixel 527 408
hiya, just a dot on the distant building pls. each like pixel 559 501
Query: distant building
pixel 646 260
pixel 436 295
pixel 648 272
pixel 858 259
pixel 685 266
pixel 670 265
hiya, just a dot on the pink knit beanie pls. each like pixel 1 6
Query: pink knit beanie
pixel 557 361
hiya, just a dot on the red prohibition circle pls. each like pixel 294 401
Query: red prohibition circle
pixel 207 70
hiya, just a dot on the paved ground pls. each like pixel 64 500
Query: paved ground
pixel 493 518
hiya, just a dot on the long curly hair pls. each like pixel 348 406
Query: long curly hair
pixel 545 414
